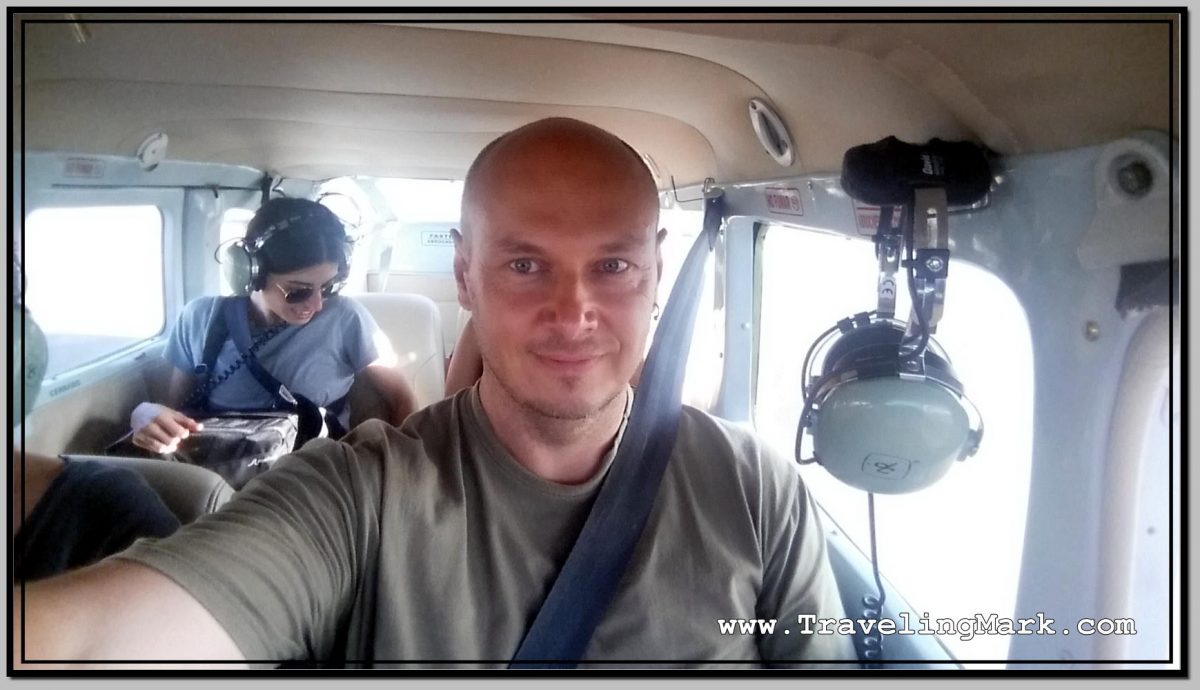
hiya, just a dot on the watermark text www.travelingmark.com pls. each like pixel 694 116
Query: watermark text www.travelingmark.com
pixel 966 628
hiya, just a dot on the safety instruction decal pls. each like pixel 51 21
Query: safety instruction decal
pixel 785 200
pixel 437 238
pixel 83 167
pixel 866 218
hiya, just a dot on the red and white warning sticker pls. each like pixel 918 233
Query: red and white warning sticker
pixel 785 200
pixel 866 218
pixel 83 167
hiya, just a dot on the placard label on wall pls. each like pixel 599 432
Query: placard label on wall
pixel 784 200
pixel 437 238
pixel 866 218
pixel 83 167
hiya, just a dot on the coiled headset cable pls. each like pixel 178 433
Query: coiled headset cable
pixel 200 394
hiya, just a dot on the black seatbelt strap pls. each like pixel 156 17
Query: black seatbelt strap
pixel 332 413
pixel 588 580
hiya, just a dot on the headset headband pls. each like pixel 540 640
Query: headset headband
pixel 243 267
pixel 278 226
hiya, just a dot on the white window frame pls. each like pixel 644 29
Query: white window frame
pixel 170 204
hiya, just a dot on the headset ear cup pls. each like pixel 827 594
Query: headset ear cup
pixel 30 341
pixel 237 267
pixel 258 277
pixel 864 345
pixel 875 424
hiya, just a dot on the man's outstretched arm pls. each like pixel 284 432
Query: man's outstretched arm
pixel 113 611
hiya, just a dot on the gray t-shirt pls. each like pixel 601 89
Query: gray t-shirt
pixel 428 542
pixel 317 360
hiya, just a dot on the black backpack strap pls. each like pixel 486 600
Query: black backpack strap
pixel 588 580
pixel 203 373
pixel 218 333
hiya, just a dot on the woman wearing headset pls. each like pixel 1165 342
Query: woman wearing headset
pixel 309 339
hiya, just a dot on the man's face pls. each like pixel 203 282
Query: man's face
pixel 560 276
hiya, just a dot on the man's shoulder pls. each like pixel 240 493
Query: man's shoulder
pixel 424 435
pixel 696 425
pixel 708 440
pixel 358 458
pixel 439 420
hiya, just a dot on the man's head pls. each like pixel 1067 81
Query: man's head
pixel 558 261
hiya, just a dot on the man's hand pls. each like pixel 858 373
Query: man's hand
pixel 159 429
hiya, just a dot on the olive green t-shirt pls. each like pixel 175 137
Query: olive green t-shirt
pixel 430 543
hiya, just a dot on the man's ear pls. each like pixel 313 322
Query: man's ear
pixel 662 235
pixel 462 260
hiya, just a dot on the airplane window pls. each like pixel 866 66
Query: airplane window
pixel 233 223
pixel 1150 595
pixel 77 287
pixel 233 226
pixel 422 201
pixel 407 227
pixel 953 549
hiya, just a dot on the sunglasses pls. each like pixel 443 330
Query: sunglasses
pixel 303 294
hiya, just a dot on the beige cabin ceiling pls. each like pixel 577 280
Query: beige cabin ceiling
pixel 390 96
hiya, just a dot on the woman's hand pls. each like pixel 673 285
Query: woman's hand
pixel 159 429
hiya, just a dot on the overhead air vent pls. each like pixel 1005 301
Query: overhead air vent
pixel 772 133
pixel 152 150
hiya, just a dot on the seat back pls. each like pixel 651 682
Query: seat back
pixel 413 325
pixel 187 490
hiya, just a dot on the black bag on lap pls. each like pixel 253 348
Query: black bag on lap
pixel 240 446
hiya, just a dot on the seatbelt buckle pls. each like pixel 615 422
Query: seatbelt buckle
pixel 287 394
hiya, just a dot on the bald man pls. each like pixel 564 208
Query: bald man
pixel 437 541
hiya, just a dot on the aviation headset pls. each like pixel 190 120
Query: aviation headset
pixel 241 260
pixel 882 421
pixel 28 340
pixel 886 411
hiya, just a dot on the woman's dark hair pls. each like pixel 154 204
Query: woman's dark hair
pixel 302 234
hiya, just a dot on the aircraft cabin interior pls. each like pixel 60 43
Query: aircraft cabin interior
pixel 1041 476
